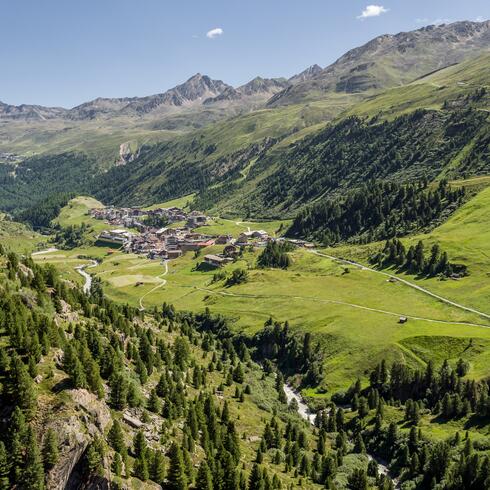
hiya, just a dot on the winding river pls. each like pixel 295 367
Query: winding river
pixel 306 414
pixel 88 278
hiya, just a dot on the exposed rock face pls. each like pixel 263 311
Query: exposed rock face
pixel 73 441
pixel 75 431
pixel 126 155
pixel 195 90
pixel 258 87
pixel 30 112
pixel 308 74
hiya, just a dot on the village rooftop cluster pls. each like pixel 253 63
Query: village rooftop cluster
pixel 170 241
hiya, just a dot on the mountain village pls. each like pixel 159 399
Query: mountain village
pixel 180 233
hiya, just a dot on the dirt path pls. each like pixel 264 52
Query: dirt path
pixel 407 283
pixel 164 281
pixel 47 251
pixel 343 303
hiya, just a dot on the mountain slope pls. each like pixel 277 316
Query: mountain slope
pixel 393 60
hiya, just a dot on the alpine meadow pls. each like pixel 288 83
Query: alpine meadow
pixel 269 284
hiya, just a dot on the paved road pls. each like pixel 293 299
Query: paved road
pixel 407 283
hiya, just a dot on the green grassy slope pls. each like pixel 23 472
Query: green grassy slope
pixel 451 85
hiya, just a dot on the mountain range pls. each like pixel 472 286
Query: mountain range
pixel 265 148
pixel 196 91
pixel 385 61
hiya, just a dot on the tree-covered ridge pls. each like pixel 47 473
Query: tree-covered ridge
pixel 43 212
pixel 376 211
pixel 171 372
pixel 38 178
pixel 444 393
pixel 354 151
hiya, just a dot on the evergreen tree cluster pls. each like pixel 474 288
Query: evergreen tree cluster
pixel 419 462
pixel 275 255
pixel 416 261
pixel 376 211
pixel 42 213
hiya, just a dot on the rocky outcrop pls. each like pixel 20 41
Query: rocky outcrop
pixel 75 426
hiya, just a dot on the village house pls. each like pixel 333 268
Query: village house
pixel 231 251
pixel 216 260
pixel 223 239
pixel 115 237
pixel 196 219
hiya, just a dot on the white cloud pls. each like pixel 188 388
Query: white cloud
pixel 372 11
pixel 480 18
pixel 217 31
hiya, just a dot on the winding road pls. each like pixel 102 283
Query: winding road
pixel 407 283
pixel 164 281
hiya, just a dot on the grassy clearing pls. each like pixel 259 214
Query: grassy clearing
pixel 222 226
pixel 181 202
pixel 353 314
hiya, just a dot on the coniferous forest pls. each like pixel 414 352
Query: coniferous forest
pixel 169 372
pixel 377 211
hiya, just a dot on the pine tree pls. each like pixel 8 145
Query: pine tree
pixel 141 470
pixel 32 475
pixel 117 465
pixel 25 391
pixel 4 468
pixel 119 391
pixel 115 437
pixel 358 480
pixel 51 451
pixel 158 468
pixel 256 478
pixel 177 478
pixel 204 480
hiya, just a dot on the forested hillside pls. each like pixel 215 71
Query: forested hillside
pixel 377 211
pixel 94 392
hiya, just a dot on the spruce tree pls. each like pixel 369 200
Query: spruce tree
pixel 115 437
pixel 157 472
pixel 177 478
pixel 204 480
pixel 256 478
pixel 32 475
pixel 51 452
pixel 4 468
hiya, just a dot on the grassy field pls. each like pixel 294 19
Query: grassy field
pixel 222 226
pixel 429 92
pixel 354 315
pixel 466 238
pixel 181 202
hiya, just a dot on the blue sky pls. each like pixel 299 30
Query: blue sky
pixel 64 52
